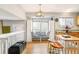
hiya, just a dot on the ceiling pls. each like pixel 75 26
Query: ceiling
pixel 19 10
pixel 51 7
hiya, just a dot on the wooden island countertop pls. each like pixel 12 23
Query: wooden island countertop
pixel 71 37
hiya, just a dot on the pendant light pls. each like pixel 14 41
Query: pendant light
pixel 40 13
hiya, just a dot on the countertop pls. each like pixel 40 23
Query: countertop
pixel 69 30
pixel 71 37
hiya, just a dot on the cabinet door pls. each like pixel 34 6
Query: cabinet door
pixel 77 20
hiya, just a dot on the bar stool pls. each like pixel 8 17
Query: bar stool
pixel 56 48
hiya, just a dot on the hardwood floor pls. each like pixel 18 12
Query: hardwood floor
pixel 29 46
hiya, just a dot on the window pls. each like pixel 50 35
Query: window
pixel 36 25
pixel 62 22
pixel 40 27
pixel 66 21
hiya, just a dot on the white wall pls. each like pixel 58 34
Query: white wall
pixel 16 25
pixel 15 9
pixel 29 36
pixel 4 15
pixel 52 31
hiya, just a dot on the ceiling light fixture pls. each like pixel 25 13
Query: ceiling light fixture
pixel 40 13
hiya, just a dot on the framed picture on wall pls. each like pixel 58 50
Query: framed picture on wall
pixel 6 29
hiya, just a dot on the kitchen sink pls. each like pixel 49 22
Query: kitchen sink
pixel 66 36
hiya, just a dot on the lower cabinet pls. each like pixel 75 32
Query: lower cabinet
pixel 76 34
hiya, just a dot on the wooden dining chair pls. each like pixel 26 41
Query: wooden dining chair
pixel 56 48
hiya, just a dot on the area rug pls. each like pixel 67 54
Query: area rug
pixel 40 49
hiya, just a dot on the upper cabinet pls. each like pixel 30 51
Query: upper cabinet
pixel 77 20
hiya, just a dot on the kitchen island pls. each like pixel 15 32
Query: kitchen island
pixel 70 43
